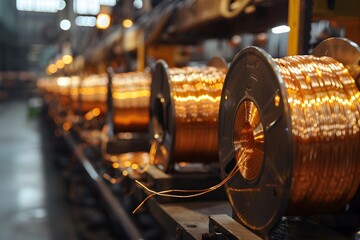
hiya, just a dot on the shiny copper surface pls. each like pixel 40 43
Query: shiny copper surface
pixel 74 92
pixel 131 92
pixel 63 84
pixel 248 137
pixel 301 140
pixel 93 92
pixel 325 106
pixel 196 95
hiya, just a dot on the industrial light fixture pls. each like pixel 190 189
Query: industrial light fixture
pixel 103 21
pixel 61 5
pixel 63 81
pixel 138 4
pixel 127 23
pixel 67 55
pixel 59 64
pixel 50 6
pixel 280 29
pixel 67 59
pixel 91 7
pixel 51 69
pixel 108 2
pixel 85 21
pixel 65 24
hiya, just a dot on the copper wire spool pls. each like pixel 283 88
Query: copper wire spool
pixel 42 84
pixel 63 84
pixel 184 108
pixel 297 119
pixel 74 92
pixel 93 93
pixel 336 48
pixel 131 92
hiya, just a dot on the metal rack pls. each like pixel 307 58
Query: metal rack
pixel 206 218
pixel 181 219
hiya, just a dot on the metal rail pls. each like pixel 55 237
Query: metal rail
pixel 119 212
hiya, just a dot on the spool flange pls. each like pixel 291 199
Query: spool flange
pixel 162 115
pixel 163 119
pixel 343 50
pixel 253 79
pixel 253 89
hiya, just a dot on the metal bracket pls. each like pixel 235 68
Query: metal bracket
pixel 224 227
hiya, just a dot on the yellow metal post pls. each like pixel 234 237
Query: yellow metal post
pixel 294 24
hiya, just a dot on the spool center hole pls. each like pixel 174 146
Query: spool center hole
pixel 247 136
pixel 248 140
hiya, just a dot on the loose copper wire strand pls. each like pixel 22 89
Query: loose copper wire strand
pixel 325 105
pixel 131 93
pixel 196 97
pixel 187 193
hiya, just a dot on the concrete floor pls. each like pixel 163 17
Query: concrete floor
pixel 32 195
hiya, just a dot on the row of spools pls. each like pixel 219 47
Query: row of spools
pixel 286 130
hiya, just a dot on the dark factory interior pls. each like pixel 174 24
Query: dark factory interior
pixel 179 119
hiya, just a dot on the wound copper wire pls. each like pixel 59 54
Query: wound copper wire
pixel 131 92
pixel 325 105
pixel 195 94
pixel 74 89
pixel 93 93
pixel 196 97
pixel 63 84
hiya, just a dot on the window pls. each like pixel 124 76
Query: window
pixel 108 2
pixel 91 7
pixel 85 21
pixel 38 5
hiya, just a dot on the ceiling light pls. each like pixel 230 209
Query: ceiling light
pixel 63 81
pixel 91 7
pixel 280 29
pixel 127 23
pixel 52 68
pixel 103 21
pixel 65 24
pixel 108 2
pixel 61 5
pixel 67 59
pixel 85 21
pixel 37 6
pixel 60 64
pixel 138 4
